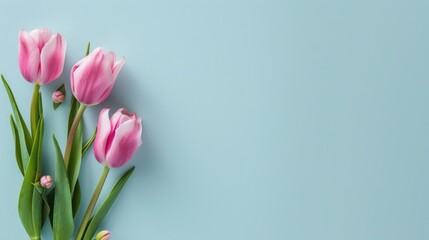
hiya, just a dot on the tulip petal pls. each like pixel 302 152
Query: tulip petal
pixel 103 132
pixel 80 75
pixel 104 81
pixel 29 57
pixel 41 37
pixel 117 67
pixel 125 142
pixel 110 60
pixel 52 59
pixel 121 116
pixel 115 117
pixel 104 94
pixel 74 82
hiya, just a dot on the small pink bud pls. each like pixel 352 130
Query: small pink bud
pixel 58 97
pixel 46 181
pixel 103 235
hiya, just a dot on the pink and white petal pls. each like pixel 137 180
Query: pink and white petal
pixel 76 66
pixel 52 59
pixel 105 68
pixel 100 94
pixel 82 69
pixel 121 115
pixel 115 118
pixel 103 131
pixel 126 116
pixel 101 83
pixel 28 57
pixel 82 76
pixel 110 59
pixel 117 67
pixel 126 141
pixel 41 36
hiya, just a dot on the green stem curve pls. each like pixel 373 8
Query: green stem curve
pixel 92 203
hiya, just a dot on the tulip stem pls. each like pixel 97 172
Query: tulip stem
pixel 92 203
pixel 34 109
pixel 72 133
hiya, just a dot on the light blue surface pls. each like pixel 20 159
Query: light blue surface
pixel 262 119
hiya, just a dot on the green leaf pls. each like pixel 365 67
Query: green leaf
pixel 29 204
pixel 62 88
pixel 107 204
pixel 76 154
pixel 89 143
pixel 24 135
pixel 37 211
pixel 74 107
pixel 75 157
pixel 34 109
pixel 46 209
pixel 76 199
pixel 51 198
pixel 18 156
pixel 63 224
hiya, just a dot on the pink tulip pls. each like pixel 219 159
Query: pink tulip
pixel 117 139
pixel 41 55
pixel 93 77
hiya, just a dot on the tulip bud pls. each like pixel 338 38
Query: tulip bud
pixel 93 77
pixel 103 235
pixel 58 97
pixel 117 139
pixel 41 55
pixel 46 181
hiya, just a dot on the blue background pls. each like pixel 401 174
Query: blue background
pixel 262 119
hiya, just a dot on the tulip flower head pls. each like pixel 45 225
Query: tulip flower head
pixel 103 235
pixel 41 55
pixel 58 97
pixel 93 77
pixel 46 181
pixel 117 138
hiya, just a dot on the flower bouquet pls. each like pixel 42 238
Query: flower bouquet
pixel 43 198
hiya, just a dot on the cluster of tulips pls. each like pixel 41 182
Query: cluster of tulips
pixel 43 198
